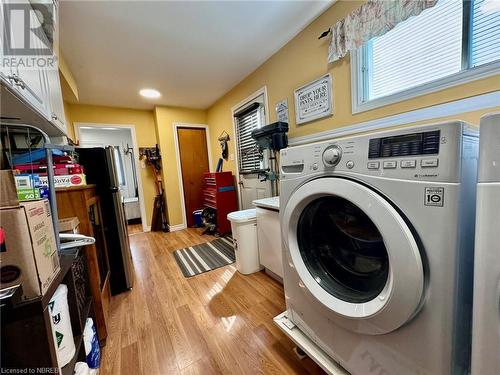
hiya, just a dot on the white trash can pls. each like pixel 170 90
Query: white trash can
pixel 61 326
pixel 246 248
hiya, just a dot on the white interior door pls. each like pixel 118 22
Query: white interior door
pixel 251 188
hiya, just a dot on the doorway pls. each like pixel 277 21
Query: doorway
pixel 193 161
pixel 122 139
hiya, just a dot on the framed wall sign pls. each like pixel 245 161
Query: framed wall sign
pixel 282 110
pixel 314 100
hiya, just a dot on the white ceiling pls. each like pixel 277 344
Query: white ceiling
pixel 192 52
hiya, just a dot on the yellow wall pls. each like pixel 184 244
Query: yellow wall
pixel 151 127
pixel 165 117
pixel 304 59
pixel 69 123
pixel 298 62
pixel 144 124
pixel 68 82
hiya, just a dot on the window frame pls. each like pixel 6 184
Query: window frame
pixel 261 110
pixel 359 75
pixel 258 111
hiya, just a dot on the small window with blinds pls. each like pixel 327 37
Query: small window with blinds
pixel 485 32
pixel 451 43
pixel 248 119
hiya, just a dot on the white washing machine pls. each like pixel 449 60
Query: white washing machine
pixel 378 237
pixel 486 317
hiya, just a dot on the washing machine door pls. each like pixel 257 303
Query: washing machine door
pixel 354 254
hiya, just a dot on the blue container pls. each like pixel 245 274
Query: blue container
pixel 197 218
pixel 34 156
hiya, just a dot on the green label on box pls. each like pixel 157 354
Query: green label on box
pixel 28 194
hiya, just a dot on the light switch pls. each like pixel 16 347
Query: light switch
pixel 231 157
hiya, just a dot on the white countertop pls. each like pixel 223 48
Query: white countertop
pixel 272 203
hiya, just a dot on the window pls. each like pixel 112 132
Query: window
pixel 248 119
pixel 485 46
pixel 451 43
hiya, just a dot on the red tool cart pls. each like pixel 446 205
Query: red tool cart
pixel 219 193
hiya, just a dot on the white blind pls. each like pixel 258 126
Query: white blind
pixel 248 155
pixel 485 40
pixel 420 50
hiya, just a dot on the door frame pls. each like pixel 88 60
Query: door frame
pixel 175 126
pixel 137 162
pixel 234 109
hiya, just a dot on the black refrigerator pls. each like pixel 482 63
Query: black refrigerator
pixel 100 169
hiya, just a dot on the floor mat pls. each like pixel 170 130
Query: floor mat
pixel 205 257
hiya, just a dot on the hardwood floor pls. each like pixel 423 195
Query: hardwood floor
pixel 219 322
pixel 134 228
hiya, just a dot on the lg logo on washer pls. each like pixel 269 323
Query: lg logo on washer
pixel 434 196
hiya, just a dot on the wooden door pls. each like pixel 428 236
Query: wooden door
pixel 194 162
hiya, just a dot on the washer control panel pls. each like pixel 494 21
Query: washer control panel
pixel 332 156
pixel 424 153
pixel 401 145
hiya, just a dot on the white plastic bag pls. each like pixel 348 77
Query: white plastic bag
pixel 61 326
pixel 81 368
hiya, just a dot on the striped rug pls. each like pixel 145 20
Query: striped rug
pixel 205 257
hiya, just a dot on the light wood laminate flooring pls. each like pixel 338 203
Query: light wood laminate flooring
pixel 219 322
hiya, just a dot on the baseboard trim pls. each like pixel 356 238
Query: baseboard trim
pixel 173 228
pixel 474 103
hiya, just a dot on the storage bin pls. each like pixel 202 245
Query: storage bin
pixel 244 228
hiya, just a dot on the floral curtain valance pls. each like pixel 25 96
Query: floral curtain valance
pixel 372 19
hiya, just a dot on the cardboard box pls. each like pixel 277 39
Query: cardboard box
pixel 27 181
pixel 67 180
pixel 28 248
pixel 28 194
pixel 69 225
pixel 29 188
pixel 8 194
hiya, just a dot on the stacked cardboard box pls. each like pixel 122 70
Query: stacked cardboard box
pixel 31 174
pixel 28 253
pixel 29 188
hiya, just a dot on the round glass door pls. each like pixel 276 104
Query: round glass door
pixel 343 249
pixel 354 254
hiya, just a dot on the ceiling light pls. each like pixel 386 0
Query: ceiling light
pixel 150 93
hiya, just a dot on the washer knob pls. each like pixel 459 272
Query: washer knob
pixel 332 155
